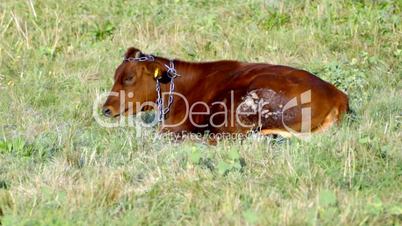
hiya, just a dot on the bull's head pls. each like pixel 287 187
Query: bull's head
pixel 134 84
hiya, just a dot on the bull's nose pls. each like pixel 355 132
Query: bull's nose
pixel 107 112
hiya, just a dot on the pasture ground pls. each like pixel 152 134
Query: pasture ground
pixel 59 167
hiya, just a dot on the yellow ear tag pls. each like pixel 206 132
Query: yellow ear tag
pixel 156 73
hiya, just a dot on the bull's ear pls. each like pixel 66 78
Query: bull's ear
pixel 133 52
pixel 138 54
pixel 157 71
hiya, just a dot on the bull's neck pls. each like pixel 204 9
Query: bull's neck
pixel 189 75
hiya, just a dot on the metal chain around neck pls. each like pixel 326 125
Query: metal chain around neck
pixel 161 110
pixel 140 59
pixel 172 73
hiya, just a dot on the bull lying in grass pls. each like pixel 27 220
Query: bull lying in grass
pixel 224 96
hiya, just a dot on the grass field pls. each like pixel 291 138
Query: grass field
pixel 59 167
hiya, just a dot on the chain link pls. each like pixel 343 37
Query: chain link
pixel 140 59
pixel 159 101
pixel 171 70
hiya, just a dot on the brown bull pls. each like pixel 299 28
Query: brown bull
pixel 225 96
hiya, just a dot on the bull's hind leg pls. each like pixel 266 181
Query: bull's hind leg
pixel 279 132
pixel 328 121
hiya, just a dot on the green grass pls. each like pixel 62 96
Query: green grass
pixel 59 167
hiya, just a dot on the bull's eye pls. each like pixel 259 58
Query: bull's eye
pixel 129 80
